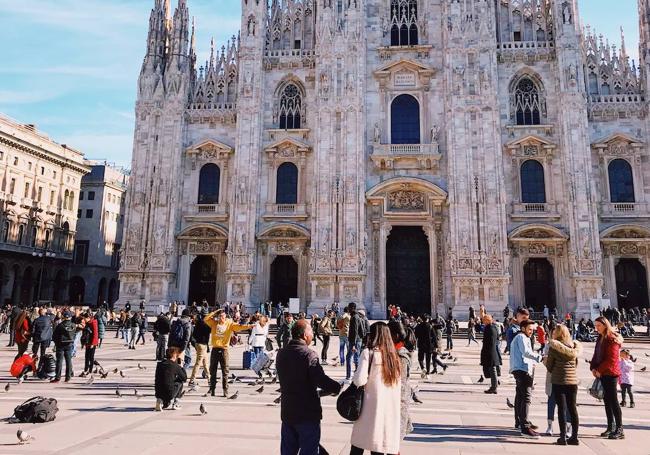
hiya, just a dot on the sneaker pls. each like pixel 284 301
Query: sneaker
pixel 606 433
pixel 549 430
pixel 529 433
pixel 573 442
pixel 490 391
pixel 569 432
pixel 159 405
pixel 623 403
pixel 176 405
pixel 67 379
pixel 561 441
pixel 55 380
pixel 617 434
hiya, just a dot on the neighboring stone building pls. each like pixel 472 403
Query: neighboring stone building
pixel 99 234
pixel 433 154
pixel 39 185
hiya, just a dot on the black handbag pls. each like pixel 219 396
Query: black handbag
pixel 350 402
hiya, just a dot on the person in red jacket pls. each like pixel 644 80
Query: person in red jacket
pixel 90 339
pixel 604 365
pixel 22 333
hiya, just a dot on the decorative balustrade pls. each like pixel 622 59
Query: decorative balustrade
pixel 534 210
pixel 625 210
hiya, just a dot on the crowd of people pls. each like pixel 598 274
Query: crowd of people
pixel 377 359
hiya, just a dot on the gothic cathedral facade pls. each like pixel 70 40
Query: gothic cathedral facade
pixel 433 154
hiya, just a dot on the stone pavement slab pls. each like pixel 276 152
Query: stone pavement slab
pixel 456 416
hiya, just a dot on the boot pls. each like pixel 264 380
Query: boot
pixel 607 432
pixel 617 434
pixel 631 404
pixel 623 403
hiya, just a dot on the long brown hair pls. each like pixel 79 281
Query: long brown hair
pixel 381 340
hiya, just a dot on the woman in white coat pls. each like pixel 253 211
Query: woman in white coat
pixel 258 335
pixel 378 428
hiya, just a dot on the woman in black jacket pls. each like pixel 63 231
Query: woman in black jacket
pixel 424 334
pixel 490 356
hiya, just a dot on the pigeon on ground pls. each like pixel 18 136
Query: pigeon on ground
pixel 274 380
pixel 278 399
pixel 510 405
pixel 481 379
pixel 7 387
pixel 260 390
pixel 24 437
pixel 115 370
pixel 118 393
pixel 90 380
pixel 140 367
pixel 587 361
pixel 104 375
pixel 644 368
pixel 122 373
pixel 415 398
pixel 646 354
pixel 136 394
pixel 202 409
pixel 234 396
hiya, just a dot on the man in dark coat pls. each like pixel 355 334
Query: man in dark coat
pixel 41 332
pixel 301 375
pixel 424 335
pixel 490 355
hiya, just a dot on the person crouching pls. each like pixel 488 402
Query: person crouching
pixel 170 377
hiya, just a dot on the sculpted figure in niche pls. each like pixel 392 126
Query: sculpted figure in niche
pixel 377 134
pixel 566 13
pixel 435 131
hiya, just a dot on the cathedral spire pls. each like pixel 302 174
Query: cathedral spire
pixel 157 37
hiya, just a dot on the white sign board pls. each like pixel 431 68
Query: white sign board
pixel 294 306
pixel 598 305
pixel 405 79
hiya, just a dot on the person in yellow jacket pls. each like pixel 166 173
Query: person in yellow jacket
pixel 222 329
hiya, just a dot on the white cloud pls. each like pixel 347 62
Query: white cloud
pixel 14 97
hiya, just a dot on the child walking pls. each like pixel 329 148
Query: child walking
pixel 626 378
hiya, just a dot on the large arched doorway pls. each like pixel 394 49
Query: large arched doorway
pixel 113 291
pixel 27 286
pixel 631 284
pixel 284 279
pixel 408 270
pixel 539 284
pixel 203 280
pixel 101 292
pixel 77 290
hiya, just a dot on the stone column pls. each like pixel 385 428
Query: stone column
pixel 184 275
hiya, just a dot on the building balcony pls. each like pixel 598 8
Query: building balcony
pixel 405 156
pixel 526 51
pixel 286 212
pixel 527 210
pixel 288 58
pixel 613 107
pixel 625 210
pixel 205 212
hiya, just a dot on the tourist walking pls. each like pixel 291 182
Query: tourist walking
pixel 626 364
pixel 222 329
pixel 301 376
pixel 100 316
pixel 356 335
pixel 605 366
pixel 378 427
pixel 90 340
pixel 135 330
pixel 471 332
pixel 522 366
pixel 424 336
pixel 143 327
pixel 201 337
pixel 343 325
pixel 490 355
pixel 259 334
pixel 562 364
pixel 325 329
pixel 449 331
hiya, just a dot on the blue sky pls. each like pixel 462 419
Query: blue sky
pixel 71 66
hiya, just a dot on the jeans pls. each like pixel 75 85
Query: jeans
pixel 343 344
pixel 565 395
pixel 550 407
pixel 219 357
pixel 257 350
pixel 187 358
pixel 471 337
pixel 134 335
pixel 523 390
pixel 61 353
pixel 610 397
pixel 626 388
pixel 201 359
pixel 126 331
pixel 303 438
pixel 141 335
pixel 326 345
pixel 89 359
pixel 40 346
pixel 161 346
pixel 424 358
pixel 357 451
pixel 352 357
pixel 12 334
pixel 75 344
pixel 450 342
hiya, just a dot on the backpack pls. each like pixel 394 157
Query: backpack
pixel 47 367
pixel 86 335
pixel 176 334
pixel 410 342
pixel 37 410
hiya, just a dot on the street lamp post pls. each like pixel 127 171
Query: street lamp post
pixel 44 253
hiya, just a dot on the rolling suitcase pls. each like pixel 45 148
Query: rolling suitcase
pixel 249 358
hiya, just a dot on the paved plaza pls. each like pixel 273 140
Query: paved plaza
pixel 455 418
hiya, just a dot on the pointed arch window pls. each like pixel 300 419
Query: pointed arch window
pixel 527 102
pixel 533 187
pixel 287 184
pixel 403 22
pixel 290 107
pixel 621 181
pixel 405 120
pixel 209 180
